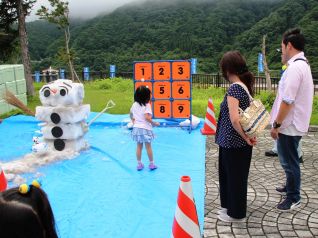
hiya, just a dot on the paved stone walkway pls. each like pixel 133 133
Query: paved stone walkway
pixel 263 220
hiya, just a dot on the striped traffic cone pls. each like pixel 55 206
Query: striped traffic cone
pixel 209 127
pixel 3 181
pixel 185 223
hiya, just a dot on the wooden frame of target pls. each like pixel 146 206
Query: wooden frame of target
pixel 170 82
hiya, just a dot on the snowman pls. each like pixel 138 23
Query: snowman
pixel 39 146
pixel 63 115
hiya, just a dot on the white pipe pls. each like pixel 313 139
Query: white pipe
pixel 109 105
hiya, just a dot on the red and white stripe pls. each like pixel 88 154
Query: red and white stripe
pixel 3 181
pixel 186 224
pixel 209 127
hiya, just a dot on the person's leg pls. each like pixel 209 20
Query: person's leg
pixel 300 156
pixel 282 188
pixel 149 152
pixel 299 149
pixel 300 152
pixel 274 149
pixel 222 179
pixel 289 159
pixel 138 152
pixel 238 169
pixel 140 166
pixel 150 156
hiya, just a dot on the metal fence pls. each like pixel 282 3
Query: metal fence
pixel 216 80
pixel 198 80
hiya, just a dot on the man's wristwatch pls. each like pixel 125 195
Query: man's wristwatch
pixel 276 125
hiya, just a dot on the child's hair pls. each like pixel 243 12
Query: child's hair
pixel 38 200
pixel 142 95
pixel 19 221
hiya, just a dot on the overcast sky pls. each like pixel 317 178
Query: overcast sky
pixel 83 8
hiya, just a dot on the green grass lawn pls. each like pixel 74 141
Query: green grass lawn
pixel 99 92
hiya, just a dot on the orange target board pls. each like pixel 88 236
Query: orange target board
pixel 170 85
pixel 181 70
pixel 161 70
pixel 162 109
pixel 181 89
pixel 162 90
pixel 143 71
pixel 181 108
pixel 147 84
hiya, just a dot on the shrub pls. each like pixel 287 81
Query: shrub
pixel 105 85
pixel 267 99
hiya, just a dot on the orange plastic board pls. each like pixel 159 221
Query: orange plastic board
pixel 181 70
pixel 161 70
pixel 143 71
pixel 162 109
pixel 162 90
pixel 147 84
pixel 181 109
pixel 181 89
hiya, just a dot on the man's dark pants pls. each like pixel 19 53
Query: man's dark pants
pixel 288 157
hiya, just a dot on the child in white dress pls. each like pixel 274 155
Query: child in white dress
pixel 141 116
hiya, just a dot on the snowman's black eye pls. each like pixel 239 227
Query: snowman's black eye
pixel 62 92
pixel 47 93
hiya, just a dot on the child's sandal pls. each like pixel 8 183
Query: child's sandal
pixel 152 166
pixel 140 166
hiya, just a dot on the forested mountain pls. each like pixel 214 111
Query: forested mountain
pixel 179 29
pixel 299 13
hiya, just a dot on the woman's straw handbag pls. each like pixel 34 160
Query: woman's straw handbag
pixel 255 118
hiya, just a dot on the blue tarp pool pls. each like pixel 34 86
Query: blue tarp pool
pixel 99 193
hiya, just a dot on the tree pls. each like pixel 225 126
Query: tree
pixel 59 15
pixel 8 35
pixel 7 45
pixel 13 11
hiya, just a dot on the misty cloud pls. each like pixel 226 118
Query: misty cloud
pixel 92 8
pixel 83 8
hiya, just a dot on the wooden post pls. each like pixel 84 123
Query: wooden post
pixel 266 69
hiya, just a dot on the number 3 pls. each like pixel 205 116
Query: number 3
pixel 180 70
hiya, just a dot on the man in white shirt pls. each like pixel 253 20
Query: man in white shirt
pixel 291 114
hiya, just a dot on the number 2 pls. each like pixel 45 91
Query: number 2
pixel 161 71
